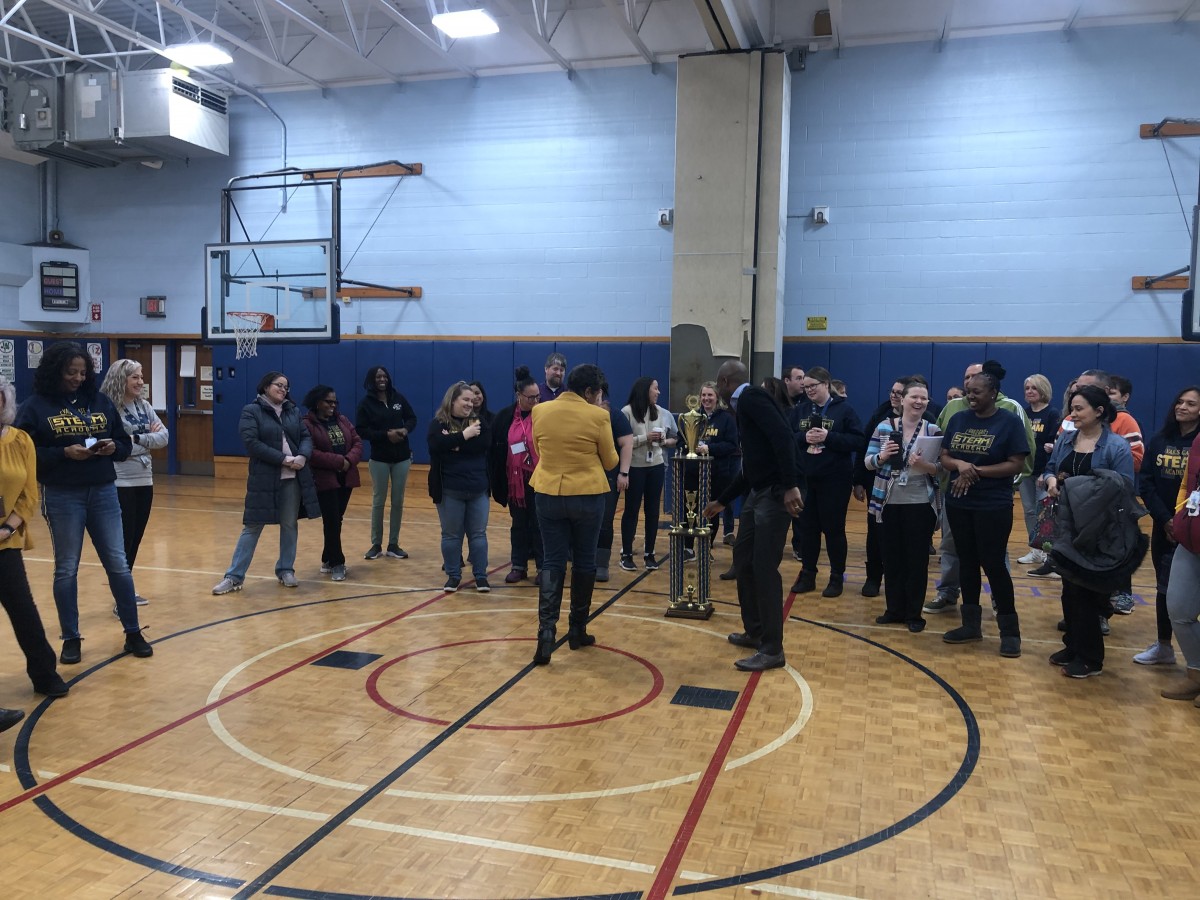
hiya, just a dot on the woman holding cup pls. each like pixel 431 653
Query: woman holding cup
pixel 654 430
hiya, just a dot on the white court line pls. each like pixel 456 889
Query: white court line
pixel 768 888
pixel 527 849
pixel 223 734
pixel 508 846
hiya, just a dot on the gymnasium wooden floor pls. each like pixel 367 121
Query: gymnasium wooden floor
pixel 378 738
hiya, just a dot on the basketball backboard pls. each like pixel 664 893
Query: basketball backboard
pixel 292 284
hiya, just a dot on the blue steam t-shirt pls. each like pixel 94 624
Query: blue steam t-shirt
pixel 984 442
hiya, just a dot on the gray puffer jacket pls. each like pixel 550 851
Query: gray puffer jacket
pixel 262 432
pixel 1097 541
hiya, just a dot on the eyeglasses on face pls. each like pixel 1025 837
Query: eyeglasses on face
pixel 811 387
pixel 282 385
pixel 531 396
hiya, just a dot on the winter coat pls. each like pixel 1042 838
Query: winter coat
pixel 325 462
pixel 262 434
pixel 1097 541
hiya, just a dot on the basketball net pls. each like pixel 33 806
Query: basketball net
pixel 246 328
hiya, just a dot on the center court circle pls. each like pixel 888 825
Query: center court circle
pixel 374 693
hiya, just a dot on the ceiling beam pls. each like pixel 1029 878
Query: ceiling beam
pixel 426 41
pixel 233 39
pixel 302 20
pixel 542 42
pixel 630 32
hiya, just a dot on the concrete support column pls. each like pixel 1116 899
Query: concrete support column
pixel 731 160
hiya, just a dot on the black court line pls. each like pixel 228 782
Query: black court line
pixel 338 819
pixel 956 784
pixel 302 894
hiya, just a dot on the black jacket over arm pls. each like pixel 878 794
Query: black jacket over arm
pixel 768 446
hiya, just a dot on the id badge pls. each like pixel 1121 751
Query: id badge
pixel 518 447
pixel 903 479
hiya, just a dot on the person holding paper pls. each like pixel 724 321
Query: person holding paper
pixel 905 499
pixel 78 435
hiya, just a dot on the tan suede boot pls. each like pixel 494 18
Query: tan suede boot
pixel 1184 689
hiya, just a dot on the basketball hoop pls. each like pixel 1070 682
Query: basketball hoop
pixel 246 328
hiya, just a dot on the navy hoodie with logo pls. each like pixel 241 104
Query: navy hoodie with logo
pixel 56 423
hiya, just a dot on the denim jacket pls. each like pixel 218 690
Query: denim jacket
pixel 1112 452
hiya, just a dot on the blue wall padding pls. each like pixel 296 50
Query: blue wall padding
pixel 423 370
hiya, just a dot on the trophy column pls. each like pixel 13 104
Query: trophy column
pixel 690 594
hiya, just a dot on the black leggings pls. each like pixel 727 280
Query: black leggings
pixel 1162 552
pixel 333 508
pixel 981 537
pixel 135 505
pixel 645 489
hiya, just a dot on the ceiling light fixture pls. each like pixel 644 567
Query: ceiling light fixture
pixel 468 23
pixel 197 55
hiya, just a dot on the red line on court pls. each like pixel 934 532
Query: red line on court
pixel 683 837
pixel 204 710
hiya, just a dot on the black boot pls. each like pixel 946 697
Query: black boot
pixel 970 630
pixel 581 604
pixel 549 606
pixel 1010 635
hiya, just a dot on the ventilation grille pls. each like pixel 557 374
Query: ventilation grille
pixel 199 95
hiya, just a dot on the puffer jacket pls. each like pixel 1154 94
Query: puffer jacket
pixel 1097 541
pixel 262 433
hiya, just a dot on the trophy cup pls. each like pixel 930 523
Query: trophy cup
pixel 691 482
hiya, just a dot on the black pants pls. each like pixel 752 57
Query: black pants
pixel 757 553
pixel 524 535
pixel 1162 552
pixel 825 514
pixel 135 513
pixel 333 507
pixel 17 600
pixel 1082 609
pixel 605 541
pixel 981 539
pixel 645 489
pixel 905 534
pixel 876 567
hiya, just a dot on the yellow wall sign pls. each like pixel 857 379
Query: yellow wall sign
pixel 817 323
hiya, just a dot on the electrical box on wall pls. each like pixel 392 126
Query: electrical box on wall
pixel 60 289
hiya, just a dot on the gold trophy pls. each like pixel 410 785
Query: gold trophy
pixel 690 503
pixel 691 425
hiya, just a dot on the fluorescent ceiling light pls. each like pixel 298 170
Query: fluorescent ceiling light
pixel 197 55
pixel 468 23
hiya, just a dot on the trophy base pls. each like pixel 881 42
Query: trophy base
pixel 693 611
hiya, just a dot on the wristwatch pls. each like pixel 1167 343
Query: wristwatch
pixel 626 474
pixel 11 531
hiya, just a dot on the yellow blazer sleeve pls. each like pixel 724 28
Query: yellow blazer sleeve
pixel 25 504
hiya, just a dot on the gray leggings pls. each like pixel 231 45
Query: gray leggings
pixel 1183 604
pixel 383 476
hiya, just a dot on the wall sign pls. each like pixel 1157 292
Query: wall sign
pixel 60 286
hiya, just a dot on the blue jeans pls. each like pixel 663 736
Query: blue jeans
pixel 570 523
pixel 69 511
pixel 288 510
pixel 385 476
pixel 462 513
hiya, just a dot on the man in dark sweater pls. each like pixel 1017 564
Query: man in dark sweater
pixel 769 474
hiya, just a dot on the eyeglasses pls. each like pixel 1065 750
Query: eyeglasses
pixel 897 393
pixel 330 402
pixel 811 387
pixel 282 385
pixel 536 396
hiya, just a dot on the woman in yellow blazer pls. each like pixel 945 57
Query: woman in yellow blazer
pixel 18 506
pixel 574 444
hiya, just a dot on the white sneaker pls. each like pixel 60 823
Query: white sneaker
pixel 1157 654
pixel 1033 558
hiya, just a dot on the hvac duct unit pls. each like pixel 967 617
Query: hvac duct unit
pixel 98 119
